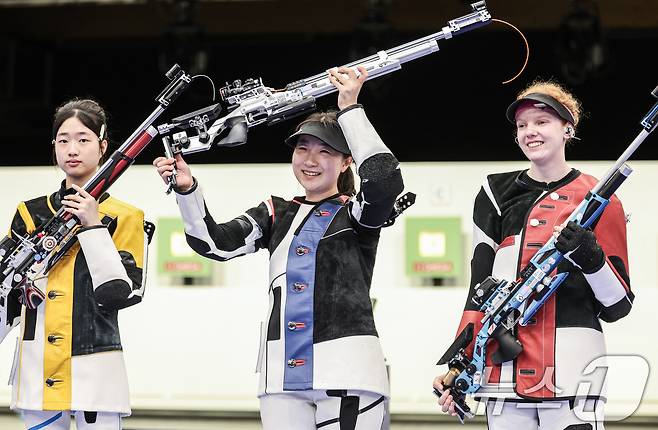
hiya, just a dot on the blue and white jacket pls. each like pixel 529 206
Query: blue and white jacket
pixel 320 332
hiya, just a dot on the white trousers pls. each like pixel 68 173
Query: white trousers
pixel 323 410
pixel 61 420
pixel 558 415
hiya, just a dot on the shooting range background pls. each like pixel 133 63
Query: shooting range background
pixel 194 348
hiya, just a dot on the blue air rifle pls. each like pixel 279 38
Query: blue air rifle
pixel 24 260
pixel 251 103
pixel 502 301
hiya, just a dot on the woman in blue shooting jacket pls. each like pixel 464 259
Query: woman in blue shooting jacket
pixel 321 365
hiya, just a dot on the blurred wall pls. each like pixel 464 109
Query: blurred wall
pixel 195 348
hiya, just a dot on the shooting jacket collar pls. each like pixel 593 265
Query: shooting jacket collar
pixel 341 199
pixel 526 181
pixel 57 196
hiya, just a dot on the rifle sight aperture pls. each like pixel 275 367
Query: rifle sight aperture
pixel 174 72
pixel 478 6
pixel 237 88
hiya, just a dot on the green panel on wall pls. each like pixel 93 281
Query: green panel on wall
pixel 434 247
pixel 175 257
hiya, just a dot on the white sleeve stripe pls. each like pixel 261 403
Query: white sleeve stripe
pixel 361 136
pixel 357 212
pixel 606 286
pixel 249 246
pixel 480 236
pixel 338 232
pixel 487 189
pixel 270 207
pixel 247 249
pixel 192 209
pixel 357 209
pixel 103 259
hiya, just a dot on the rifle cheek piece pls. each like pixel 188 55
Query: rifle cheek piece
pixel 234 134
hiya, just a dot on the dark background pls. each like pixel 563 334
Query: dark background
pixel 448 106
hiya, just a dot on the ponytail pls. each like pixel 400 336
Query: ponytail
pixel 346 182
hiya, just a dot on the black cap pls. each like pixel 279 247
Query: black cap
pixel 329 134
pixel 544 99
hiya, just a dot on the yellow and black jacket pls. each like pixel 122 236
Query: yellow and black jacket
pixel 69 355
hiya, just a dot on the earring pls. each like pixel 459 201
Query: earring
pixel 516 139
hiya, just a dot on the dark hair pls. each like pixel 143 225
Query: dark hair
pixel 89 112
pixel 326 118
pixel 346 182
pixel 346 178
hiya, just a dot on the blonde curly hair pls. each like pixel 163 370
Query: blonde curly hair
pixel 558 92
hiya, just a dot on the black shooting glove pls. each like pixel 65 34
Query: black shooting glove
pixel 579 246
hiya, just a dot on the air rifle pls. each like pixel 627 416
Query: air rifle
pixel 251 103
pixel 502 301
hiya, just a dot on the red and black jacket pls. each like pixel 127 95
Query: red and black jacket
pixel 513 217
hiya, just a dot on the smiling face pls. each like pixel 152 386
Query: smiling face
pixel 77 151
pixel 317 167
pixel 541 135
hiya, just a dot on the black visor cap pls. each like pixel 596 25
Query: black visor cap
pixel 558 107
pixel 331 135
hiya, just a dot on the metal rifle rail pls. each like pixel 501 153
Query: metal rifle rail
pixel 251 103
pixel 388 61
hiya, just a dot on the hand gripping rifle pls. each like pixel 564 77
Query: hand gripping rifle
pixel 502 301
pixel 250 103
pixel 23 260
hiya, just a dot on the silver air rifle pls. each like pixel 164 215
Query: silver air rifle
pixel 251 103
pixel 24 260
pixel 502 302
